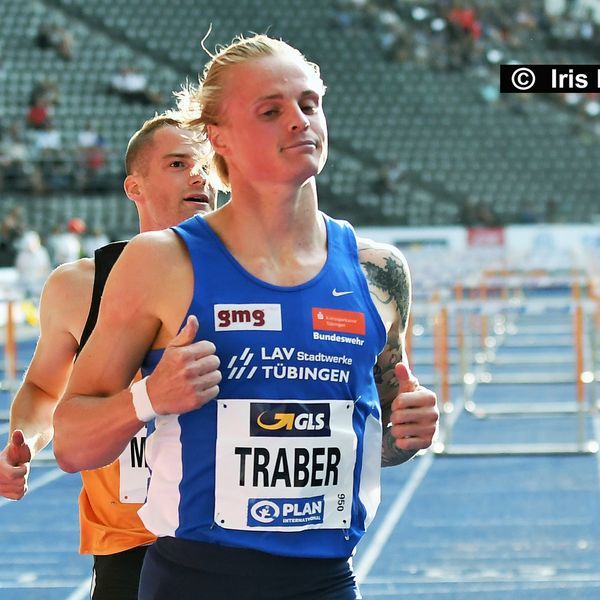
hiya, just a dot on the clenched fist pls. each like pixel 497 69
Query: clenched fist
pixel 14 467
pixel 187 376
pixel 414 414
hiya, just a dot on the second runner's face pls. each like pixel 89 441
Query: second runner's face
pixel 172 194
pixel 273 128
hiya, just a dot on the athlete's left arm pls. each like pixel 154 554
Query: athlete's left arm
pixel 409 410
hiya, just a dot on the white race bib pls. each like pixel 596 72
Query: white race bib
pixel 134 473
pixel 284 465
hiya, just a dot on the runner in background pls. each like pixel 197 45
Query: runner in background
pixel 158 162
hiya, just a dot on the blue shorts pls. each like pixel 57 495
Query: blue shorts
pixel 188 570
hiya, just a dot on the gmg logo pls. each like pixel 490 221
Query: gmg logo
pixel 247 317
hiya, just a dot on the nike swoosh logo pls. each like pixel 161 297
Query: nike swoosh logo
pixel 336 293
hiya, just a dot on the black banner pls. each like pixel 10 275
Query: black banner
pixel 549 79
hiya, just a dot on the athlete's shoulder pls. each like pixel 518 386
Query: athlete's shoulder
pixel 70 278
pixel 151 243
pixel 156 261
pixel 148 249
pixel 388 278
pixel 66 297
pixel 379 254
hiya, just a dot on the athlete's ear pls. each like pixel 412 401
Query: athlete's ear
pixel 132 188
pixel 217 139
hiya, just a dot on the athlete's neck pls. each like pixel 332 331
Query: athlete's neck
pixel 276 240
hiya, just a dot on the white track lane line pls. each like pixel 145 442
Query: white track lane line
pixel 596 427
pixel 82 591
pixel 393 515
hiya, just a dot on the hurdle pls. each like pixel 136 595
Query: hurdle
pixel 579 309
pixel 9 381
pixel 441 363
pixel 432 314
pixel 15 309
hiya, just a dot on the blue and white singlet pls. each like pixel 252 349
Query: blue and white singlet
pixel 286 460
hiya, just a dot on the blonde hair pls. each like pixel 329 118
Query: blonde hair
pixel 201 105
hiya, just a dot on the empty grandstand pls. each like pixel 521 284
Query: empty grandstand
pixel 419 133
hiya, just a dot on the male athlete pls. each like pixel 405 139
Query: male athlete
pixel 265 491
pixel 158 161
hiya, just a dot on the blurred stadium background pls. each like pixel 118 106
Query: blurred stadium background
pixel 493 198
pixel 419 134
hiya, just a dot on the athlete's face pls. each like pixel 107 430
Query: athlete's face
pixel 168 191
pixel 273 129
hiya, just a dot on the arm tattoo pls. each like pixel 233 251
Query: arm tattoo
pixel 388 359
pixel 392 281
pixel 391 455
pixel 389 282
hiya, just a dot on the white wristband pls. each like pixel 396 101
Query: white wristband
pixel 141 401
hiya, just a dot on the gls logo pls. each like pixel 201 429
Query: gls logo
pixel 247 317
pixel 289 420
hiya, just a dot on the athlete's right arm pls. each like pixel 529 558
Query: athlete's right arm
pixel 96 418
pixel 62 304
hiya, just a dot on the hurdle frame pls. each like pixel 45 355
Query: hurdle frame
pixel 445 446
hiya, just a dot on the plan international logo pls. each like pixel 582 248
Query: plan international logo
pixel 284 512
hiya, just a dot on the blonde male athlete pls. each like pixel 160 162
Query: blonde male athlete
pixel 158 164
pixel 277 358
